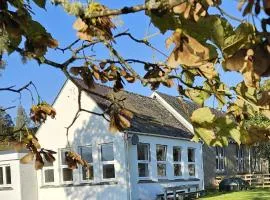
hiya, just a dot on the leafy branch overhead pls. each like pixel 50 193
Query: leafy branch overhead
pixel 200 42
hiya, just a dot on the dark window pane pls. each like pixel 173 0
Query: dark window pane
pixel 161 169
pixel 161 152
pixel 143 151
pixel 108 171
pixel 67 174
pixel 191 170
pixel 88 174
pixel 63 156
pixel 177 170
pixel 86 153
pixel 222 152
pixel 217 165
pixel 176 154
pixel 1 176
pixel 8 175
pixel 217 151
pixel 49 175
pixel 221 164
pixel 107 152
pixel 143 170
pixel 191 155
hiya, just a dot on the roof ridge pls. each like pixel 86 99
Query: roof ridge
pixel 111 88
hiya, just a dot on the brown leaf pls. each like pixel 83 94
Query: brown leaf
pixel 49 157
pixel 80 25
pixel 208 70
pixel 27 158
pixel 39 162
pixel 188 51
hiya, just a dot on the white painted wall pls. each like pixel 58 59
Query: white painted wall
pixel 87 130
pixel 148 191
pixel 23 179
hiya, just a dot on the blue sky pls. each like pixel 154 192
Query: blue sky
pixel 49 80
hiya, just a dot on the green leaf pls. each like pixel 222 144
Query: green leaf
pixel 202 116
pixel 189 76
pixel 248 93
pixel 221 98
pixel 40 3
pixel 226 127
pixel 207 135
pixel 242 37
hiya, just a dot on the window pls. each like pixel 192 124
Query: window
pixel 48 172
pixel 255 161
pixel 143 152
pixel 86 154
pixel 177 167
pixel 240 158
pixel 161 151
pixel 191 162
pixel 220 159
pixel 66 173
pixel 107 159
pixel 5 175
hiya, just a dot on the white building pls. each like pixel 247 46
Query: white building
pixel 155 153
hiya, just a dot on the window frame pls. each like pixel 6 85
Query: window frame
pixel 220 158
pixel 177 162
pixel 191 162
pixel 43 174
pixel 5 184
pixel 162 162
pixel 144 162
pixel 240 158
pixel 81 167
pixel 64 166
pixel 107 162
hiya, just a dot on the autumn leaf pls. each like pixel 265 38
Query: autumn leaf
pixel 27 158
pixel 188 51
pixel 202 116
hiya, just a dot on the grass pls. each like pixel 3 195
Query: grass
pixel 255 194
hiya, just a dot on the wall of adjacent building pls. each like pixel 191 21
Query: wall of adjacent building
pixel 23 178
pixel 231 165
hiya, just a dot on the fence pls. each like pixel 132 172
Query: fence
pixel 255 180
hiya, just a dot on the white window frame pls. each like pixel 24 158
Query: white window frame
pixel 144 162
pixel 192 163
pixel 107 162
pixel 220 157
pixel 240 158
pixel 62 166
pixel 5 184
pixel 164 162
pixel 178 162
pixel 43 174
pixel 81 167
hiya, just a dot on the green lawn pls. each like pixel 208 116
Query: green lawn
pixel 255 194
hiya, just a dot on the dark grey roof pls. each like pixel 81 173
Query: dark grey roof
pixel 149 115
pixel 184 107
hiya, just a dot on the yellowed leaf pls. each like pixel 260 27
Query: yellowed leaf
pixel 27 158
pixel 188 51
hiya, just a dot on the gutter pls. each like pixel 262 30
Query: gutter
pixel 163 136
